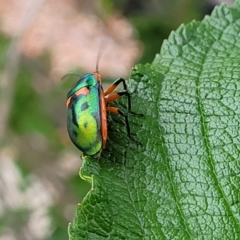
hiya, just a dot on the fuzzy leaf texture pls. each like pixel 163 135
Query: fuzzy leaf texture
pixel 183 182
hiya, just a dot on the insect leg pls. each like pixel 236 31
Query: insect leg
pixel 114 86
pixel 118 94
pixel 120 112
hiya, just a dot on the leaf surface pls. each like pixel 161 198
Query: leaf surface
pixel 183 181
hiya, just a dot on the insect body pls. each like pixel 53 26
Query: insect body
pixel 87 117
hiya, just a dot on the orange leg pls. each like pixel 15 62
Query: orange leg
pixel 112 109
pixel 114 85
pixel 112 97
pixel 115 96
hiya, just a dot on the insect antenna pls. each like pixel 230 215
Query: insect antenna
pixel 75 74
pixel 100 53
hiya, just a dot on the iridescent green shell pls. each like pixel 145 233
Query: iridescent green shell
pixel 84 115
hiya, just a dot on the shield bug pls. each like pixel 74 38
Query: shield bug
pixel 87 106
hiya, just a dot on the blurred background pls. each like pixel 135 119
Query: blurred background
pixel 40 41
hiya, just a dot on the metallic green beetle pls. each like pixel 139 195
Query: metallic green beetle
pixel 87 117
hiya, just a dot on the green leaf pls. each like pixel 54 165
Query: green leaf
pixel 183 181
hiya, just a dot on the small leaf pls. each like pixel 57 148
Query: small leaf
pixel 183 181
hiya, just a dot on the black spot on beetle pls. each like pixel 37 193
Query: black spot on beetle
pixel 84 106
pixel 85 124
pixel 74 118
